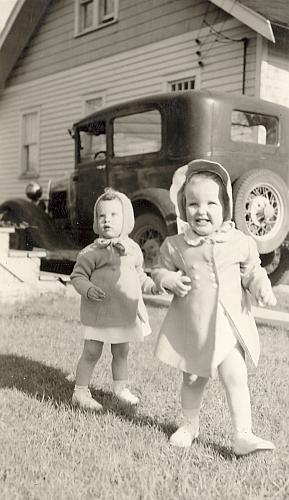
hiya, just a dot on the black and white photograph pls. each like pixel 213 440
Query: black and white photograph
pixel 144 249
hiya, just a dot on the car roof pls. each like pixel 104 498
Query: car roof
pixel 207 96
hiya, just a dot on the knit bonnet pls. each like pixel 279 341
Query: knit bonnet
pixel 182 177
pixel 127 211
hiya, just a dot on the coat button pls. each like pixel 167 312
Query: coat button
pixel 214 285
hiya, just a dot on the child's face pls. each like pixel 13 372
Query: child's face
pixel 204 206
pixel 109 218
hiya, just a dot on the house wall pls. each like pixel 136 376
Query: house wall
pixel 55 48
pixel 275 69
pixel 144 70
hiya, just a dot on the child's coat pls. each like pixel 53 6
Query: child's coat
pixel 120 276
pixel 220 269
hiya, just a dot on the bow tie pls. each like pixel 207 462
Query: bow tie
pixel 116 243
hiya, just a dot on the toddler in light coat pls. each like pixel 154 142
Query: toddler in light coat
pixel 209 327
pixel 109 276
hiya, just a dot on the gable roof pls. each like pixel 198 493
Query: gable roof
pixel 247 16
pixel 19 28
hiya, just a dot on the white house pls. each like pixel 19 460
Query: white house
pixel 61 59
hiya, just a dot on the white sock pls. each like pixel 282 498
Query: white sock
pixel 80 388
pixel 190 414
pixel 119 385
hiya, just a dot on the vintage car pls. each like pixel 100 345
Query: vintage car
pixel 136 146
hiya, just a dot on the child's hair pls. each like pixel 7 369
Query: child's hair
pixel 199 176
pixel 109 194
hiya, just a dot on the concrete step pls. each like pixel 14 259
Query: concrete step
pixel 19 269
pixel 4 239
pixel 47 276
pixel 27 253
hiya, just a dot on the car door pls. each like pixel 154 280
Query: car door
pixel 91 173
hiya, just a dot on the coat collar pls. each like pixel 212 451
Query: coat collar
pixel 223 234
pixel 120 244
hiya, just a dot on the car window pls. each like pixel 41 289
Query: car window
pixel 137 133
pixel 92 141
pixel 254 128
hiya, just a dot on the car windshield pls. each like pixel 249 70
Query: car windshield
pixel 92 141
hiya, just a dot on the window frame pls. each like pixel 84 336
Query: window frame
pixel 99 20
pixel 256 143
pixel 25 173
pixel 85 98
pixel 182 75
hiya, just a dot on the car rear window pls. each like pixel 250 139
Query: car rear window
pixel 254 128
pixel 137 134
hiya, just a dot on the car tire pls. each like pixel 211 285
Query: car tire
pixel 261 208
pixel 149 232
pixel 276 264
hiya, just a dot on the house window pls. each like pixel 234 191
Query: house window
pixel 107 10
pixel 182 85
pixel 92 104
pixel 30 144
pixel 93 14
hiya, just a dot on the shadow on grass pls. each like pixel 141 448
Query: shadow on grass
pixel 46 383
pixel 35 379
pixel 131 413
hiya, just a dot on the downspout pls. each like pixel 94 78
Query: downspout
pixel 245 41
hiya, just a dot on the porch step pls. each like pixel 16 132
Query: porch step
pixel 47 276
pixel 27 253
pixel 21 269
pixel 18 266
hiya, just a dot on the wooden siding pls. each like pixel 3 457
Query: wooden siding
pixel 134 73
pixel 54 47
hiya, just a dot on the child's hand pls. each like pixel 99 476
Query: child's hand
pixel 156 291
pixel 266 297
pixel 178 283
pixel 95 293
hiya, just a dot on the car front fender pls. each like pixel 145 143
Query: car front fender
pixel 157 200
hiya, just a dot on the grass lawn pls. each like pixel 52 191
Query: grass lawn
pixel 48 450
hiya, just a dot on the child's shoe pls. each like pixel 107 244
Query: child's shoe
pixel 83 399
pixel 125 396
pixel 246 442
pixel 185 435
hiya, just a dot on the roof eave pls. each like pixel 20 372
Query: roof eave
pixel 17 31
pixel 247 16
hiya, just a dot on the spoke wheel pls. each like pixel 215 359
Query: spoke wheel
pixel 149 232
pixel 261 207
